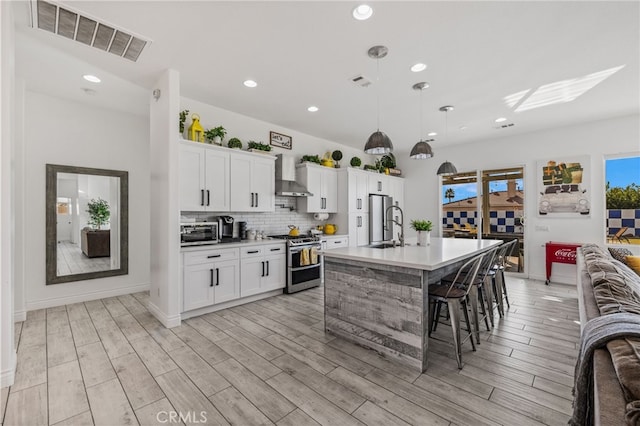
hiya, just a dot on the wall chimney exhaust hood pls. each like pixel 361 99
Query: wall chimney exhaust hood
pixel 286 184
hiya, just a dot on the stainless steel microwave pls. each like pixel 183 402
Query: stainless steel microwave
pixel 198 233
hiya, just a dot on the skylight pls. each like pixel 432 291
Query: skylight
pixel 557 92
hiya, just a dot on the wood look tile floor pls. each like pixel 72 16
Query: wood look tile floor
pixel 110 362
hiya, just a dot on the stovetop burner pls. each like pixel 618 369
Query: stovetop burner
pixel 299 240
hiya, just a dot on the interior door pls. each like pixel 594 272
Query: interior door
pixel 63 220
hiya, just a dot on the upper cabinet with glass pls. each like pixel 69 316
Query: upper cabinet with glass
pixel 87 223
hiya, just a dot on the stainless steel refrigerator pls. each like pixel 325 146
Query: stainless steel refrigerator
pixel 379 228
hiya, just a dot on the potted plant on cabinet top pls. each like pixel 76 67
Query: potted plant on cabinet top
pixel 423 227
pixel 258 147
pixel 235 143
pixel 355 162
pixel 215 135
pixel 94 241
pixel 183 118
pixel 311 159
pixel 337 156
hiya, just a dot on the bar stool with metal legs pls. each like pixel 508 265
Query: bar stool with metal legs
pixel 455 295
pixel 498 282
pixel 484 292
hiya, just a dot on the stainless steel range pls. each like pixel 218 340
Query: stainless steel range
pixel 304 264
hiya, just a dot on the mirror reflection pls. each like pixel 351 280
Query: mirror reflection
pixel 86 223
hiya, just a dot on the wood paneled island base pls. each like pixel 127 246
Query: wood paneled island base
pixel 382 306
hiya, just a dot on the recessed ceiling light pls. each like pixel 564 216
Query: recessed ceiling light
pixel 432 134
pixel 312 108
pixel 418 67
pixel 500 120
pixel 362 12
pixel 91 78
pixel 250 83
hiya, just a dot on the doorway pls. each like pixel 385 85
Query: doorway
pixel 467 213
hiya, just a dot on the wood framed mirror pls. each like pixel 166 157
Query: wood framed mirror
pixel 87 223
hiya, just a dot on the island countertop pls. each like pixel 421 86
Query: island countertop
pixel 440 253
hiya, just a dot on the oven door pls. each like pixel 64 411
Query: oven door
pixel 304 269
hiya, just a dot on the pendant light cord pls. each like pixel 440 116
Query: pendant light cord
pixel 421 127
pixel 378 91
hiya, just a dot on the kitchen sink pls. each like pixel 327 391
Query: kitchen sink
pixel 383 246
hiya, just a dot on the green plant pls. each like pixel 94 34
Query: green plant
pixel 355 162
pixel 259 146
pixel 371 167
pixel 421 225
pixel 98 212
pixel 234 143
pixel 388 161
pixel 336 155
pixel 183 118
pixel 311 159
pixel 215 132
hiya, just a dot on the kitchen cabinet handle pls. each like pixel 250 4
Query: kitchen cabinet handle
pixel 379 185
pixel 208 197
pixel 202 197
pixel 213 255
pixel 337 242
pixel 267 268
pixel 211 278
pixel 276 249
pixel 262 270
pixel 252 202
pixel 217 276
pixel 257 200
pixel 253 251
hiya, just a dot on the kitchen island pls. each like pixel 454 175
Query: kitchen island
pixel 378 298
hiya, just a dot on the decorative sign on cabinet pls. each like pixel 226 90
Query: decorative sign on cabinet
pixel 322 182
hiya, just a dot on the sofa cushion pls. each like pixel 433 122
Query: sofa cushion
pixel 619 253
pixel 633 262
pixel 625 355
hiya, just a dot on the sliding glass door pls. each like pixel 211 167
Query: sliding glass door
pixel 468 213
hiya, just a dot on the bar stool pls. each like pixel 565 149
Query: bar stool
pixel 484 291
pixel 498 282
pixel 455 295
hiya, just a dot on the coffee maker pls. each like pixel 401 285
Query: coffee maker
pixel 225 227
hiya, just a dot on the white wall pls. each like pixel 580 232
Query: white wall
pixel 597 139
pixel 247 128
pixel 64 132
pixel 7 216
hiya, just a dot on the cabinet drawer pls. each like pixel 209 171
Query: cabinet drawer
pixel 274 249
pixel 207 256
pixel 259 251
pixel 337 242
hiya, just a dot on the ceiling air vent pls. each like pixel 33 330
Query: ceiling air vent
pixel 361 80
pixel 504 126
pixel 69 23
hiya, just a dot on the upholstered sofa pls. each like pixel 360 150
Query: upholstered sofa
pixel 607 286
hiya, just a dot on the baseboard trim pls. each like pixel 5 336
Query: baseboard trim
pixel 167 321
pixel 7 377
pixel 85 297
pixel 19 316
pixel 230 304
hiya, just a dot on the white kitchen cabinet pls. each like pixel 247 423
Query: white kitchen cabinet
pixel 358 190
pixel 204 178
pixel 378 183
pixel 262 269
pixel 329 243
pixel 358 229
pixel 252 183
pixel 210 277
pixel 322 182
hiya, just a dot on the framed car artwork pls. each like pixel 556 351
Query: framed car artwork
pixel 563 187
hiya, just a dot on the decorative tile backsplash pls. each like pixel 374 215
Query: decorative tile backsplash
pixel 270 223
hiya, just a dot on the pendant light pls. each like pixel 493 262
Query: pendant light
pixel 422 150
pixel 446 168
pixel 378 143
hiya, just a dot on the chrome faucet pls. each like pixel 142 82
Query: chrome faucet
pixel 400 224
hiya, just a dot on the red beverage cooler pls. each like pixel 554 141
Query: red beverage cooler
pixel 559 253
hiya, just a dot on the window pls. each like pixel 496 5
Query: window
pixel 622 177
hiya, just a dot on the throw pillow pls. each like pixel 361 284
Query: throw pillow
pixel 634 263
pixel 619 253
